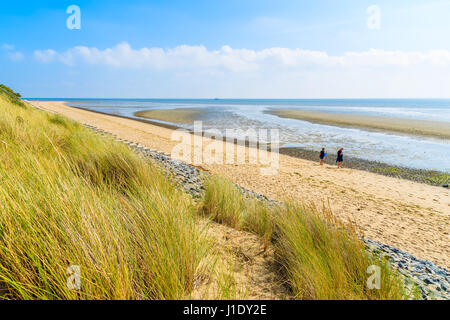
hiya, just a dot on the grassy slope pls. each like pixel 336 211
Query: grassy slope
pixel 68 197
pixel 322 258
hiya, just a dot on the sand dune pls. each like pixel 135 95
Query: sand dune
pixel 439 129
pixel 411 216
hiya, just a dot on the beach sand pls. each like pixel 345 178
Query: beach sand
pixel 438 129
pixel 411 216
pixel 186 115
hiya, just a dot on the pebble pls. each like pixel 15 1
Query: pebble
pixel 433 281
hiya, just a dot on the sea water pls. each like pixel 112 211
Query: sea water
pixel 392 148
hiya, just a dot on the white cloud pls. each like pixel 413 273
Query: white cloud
pixel 13 55
pixel 238 60
pixel 195 71
pixel 45 56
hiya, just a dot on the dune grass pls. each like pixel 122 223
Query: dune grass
pixel 225 204
pixel 71 198
pixel 322 258
pixel 12 96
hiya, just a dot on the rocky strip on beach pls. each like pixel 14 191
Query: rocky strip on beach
pixel 433 281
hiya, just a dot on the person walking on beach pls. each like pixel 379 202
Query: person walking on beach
pixel 340 158
pixel 322 156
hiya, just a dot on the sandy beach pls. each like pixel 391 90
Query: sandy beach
pixel 411 216
pixel 186 115
pixel 439 129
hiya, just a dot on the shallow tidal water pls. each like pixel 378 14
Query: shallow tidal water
pixel 396 149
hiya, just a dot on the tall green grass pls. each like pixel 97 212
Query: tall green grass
pixel 322 258
pixel 225 204
pixel 11 96
pixel 69 197
pixel 9 91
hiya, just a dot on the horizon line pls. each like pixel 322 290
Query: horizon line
pixel 218 99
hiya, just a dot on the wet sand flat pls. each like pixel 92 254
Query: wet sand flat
pixel 185 115
pixel 438 129
pixel 411 216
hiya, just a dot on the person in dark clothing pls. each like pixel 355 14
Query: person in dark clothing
pixel 340 158
pixel 322 156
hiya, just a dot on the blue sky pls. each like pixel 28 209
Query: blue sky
pixel 240 49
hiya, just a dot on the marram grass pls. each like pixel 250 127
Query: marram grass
pixel 225 204
pixel 322 258
pixel 69 197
